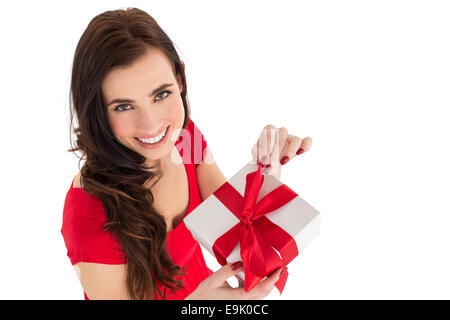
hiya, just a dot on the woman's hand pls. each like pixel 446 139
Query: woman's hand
pixel 215 287
pixel 275 147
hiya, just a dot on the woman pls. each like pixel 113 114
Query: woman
pixel 123 214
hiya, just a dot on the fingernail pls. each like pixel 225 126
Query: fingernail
pixel 300 151
pixel 264 160
pixel 266 169
pixel 284 160
pixel 264 165
pixel 236 265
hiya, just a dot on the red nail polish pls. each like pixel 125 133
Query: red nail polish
pixel 284 160
pixel 266 170
pixel 300 151
pixel 236 265
pixel 264 159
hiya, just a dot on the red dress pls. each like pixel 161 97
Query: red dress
pixel 84 216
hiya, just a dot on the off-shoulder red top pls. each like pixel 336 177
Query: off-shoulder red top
pixel 84 216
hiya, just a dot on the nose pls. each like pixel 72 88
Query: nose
pixel 149 121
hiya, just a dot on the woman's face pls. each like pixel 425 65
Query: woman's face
pixel 138 106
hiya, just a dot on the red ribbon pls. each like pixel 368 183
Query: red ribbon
pixel 256 233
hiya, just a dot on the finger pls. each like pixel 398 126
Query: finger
pixel 273 150
pixel 266 286
pixel 265 143
pixel 290 149
pixel 255 152
pixel 282 141
pixel 225 272
pixel 269 281
pixel 240 281
pixel 305 146
pixel 261 290
pixel 279 140
pixel 239 293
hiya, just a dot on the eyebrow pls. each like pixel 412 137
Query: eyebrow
pixel 155 91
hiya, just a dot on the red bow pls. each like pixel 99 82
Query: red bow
pixel 256 233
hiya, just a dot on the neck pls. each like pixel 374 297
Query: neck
pixel 164 164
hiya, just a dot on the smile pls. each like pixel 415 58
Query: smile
pixel 154 139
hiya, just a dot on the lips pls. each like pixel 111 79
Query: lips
pixel 154 136
pixel 155 145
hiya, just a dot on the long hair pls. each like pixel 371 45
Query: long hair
pixel 113 172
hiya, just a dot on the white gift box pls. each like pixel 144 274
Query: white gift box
pixel 211 219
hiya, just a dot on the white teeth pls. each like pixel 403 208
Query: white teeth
pixel 155 139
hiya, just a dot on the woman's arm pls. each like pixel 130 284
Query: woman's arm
pixel 209 176
pixel 103 281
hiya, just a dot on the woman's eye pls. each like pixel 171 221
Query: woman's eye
pixel 124 107
pixel 168 92
pixel 120 107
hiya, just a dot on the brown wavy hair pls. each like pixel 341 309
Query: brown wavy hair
pixel 113 172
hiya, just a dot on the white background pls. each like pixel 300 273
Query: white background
pixel 367 80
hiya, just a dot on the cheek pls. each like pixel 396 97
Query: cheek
pixel 176 112
pixel 120 127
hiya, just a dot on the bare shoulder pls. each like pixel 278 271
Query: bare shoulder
pixel 103 281
pixel 76 181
